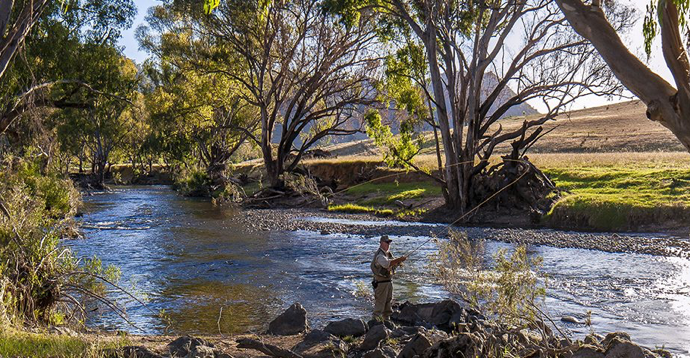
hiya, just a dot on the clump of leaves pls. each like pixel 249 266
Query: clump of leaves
pixel 508 292
pixel 40 280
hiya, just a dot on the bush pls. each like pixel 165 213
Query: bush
pixel 196 184
pixel 40 280
pixel 508 292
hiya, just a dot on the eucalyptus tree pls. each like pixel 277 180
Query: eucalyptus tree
pixel 306 73
pixel 666 104
pixel 457 59
pixel 48 59
pixel 200 121
pixel 109 115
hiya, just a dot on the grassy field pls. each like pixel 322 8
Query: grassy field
pixel 624 191
pixel 600 191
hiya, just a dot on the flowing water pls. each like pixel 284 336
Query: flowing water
pixel 188 260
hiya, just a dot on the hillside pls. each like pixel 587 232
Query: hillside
pixel 621 127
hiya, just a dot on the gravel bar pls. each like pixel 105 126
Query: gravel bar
pixel 370 225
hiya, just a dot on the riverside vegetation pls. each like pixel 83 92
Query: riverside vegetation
pixel 236 82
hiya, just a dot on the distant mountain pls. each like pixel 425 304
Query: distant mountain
pixel 488 85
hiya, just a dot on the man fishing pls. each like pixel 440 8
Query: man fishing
pixel 383 266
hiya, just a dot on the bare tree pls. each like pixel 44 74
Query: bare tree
pixel 665 104
pixel 307 74
pixel 475 52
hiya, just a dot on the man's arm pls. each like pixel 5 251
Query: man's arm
pixel 396 262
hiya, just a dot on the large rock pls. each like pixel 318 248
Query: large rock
pixel 182 346
pixel 130 352
pixel 462 345
pixel 292 321
pixel 620 348
pixel 375 335
pixel 416 346
pixel 312 339
pixel 443 312
pixel 413 314
pixel 201 352
pixel 347 327
pixel 588 351
pixel 443 315
pixel 385 352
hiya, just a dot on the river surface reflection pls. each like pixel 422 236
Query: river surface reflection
pixel 188 260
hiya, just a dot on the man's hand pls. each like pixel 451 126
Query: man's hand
pixel 398 261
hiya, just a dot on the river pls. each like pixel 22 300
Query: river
pixel 188 260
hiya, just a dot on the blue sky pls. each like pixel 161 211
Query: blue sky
pixel 128 41
pixel 633 40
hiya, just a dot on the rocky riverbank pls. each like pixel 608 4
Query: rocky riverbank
pixel 442 329
pixel 370 225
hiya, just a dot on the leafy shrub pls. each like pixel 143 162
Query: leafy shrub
pixel 40 280
pixel 196 183
pixel 508 292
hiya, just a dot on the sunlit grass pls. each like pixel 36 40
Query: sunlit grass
pixel 25 344
pixel 359 209
pixel 622 196
pixel 396 191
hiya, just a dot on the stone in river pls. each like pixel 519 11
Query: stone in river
pixel 570 319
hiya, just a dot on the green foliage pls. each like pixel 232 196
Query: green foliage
pixel 196 183
pixel 398 150
pixel 508 292
pixel 36 272
pixel 391 190
pixel 209 5
pixel 654 16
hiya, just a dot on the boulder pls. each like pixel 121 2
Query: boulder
pixel 375 335
pixel 374 322
pixel 347 327
pixel 386 352
pixel 292 321
pixel 201 352
pixel 183 345
pixel 406 331
pixel 416 346
pixel 620 348
pixel 443 312
pixel 130 352
pixel 588 351
pixel 413 315
pixel 443 315
pixel 462 345
pixel 313 339
pixel 611 336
